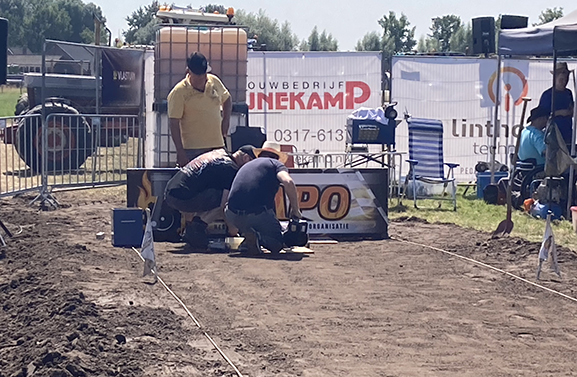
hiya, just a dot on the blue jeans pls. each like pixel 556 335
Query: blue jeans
pixel 265 224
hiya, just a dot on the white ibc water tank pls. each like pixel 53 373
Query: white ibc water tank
pixel 224 47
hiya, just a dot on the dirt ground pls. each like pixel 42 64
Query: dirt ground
pixel 72 305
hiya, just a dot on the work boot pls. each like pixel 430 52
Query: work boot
pixel 195 234
pixel 250 245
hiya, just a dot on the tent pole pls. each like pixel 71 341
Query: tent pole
pixel 496 128
pixel 552 116
pixel 551 119
pixel 572 167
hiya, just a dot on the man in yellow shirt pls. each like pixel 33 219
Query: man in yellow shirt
pixel 194 111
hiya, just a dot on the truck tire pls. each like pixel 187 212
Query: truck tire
pixel 70 139
pixel 22 105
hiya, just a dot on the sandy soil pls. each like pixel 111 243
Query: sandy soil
pixel 72 305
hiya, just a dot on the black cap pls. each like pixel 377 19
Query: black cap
pixel 538 112
pixel 248 149
pixel 197 64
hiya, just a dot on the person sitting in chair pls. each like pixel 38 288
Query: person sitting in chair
pixel 532 143
pixel 564 103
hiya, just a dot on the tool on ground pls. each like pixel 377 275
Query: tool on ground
pixel 296 233
pixel 506 226
pixel 8 233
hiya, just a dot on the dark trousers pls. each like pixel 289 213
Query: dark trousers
pixel 264 223
pixel 204 201
pixel 191 154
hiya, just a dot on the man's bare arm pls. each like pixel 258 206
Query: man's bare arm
pixel 291 191
pixel 174 125
pixel 226 111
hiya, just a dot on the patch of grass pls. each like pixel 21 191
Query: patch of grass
pixel 8 97
pixel 475 214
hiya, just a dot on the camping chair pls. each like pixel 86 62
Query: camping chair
pixel 426 159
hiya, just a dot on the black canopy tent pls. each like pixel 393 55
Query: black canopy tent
pixel 556 38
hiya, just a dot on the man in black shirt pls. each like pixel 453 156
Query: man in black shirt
pixel 251 206
pixel 564 103
pixel 201 187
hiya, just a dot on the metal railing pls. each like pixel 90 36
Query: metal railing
pixel 16 176
pixel 67 151
pixel 393 161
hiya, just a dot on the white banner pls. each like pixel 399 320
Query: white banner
pixel 460 92
pixel 303 99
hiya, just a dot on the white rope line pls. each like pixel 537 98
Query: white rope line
pixel 193 318
pixel 490 267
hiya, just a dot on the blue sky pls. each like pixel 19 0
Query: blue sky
pixel 349 20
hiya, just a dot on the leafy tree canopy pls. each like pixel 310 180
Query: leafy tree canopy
pixel 548 15
pixel 319 42
pixel 443 28
pixel 462 40
pixel 398 36
pixel 370 42
pixel 142 25
pixel 32 21
pixel 267 31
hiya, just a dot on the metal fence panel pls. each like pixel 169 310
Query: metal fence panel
pixel 90 149
pixel 73 150
pixel 20 137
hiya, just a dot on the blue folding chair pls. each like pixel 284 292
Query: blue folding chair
pixel 426 159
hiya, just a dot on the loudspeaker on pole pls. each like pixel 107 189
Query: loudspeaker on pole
pixel 3 50
pixel 483 35
pixel 514 22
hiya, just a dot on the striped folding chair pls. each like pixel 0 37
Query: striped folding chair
pixel 426 159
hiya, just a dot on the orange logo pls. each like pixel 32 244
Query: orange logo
pixel 511 77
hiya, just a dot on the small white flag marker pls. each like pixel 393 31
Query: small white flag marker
pixel 548 247
pixel 147 248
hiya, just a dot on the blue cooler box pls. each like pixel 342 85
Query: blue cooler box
pixel 127 227
pixel 484 179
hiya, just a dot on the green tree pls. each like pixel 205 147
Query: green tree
pixel 370 42
pixel 422 44
pixel 443 29
pixel 327 42
pixel 287 39
pixel 142 25
pixel 45 20
pixel 211 8
pixel 15 12
pixel 462 40
pixel 267 31
pixel 549 14
pixel 397 35
pixel 314 42
pixel 32 21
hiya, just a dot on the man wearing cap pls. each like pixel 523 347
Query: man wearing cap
pixel 564 103
pixel 194 111
pixel 251 206
pixel 201 187
pixel 532 143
